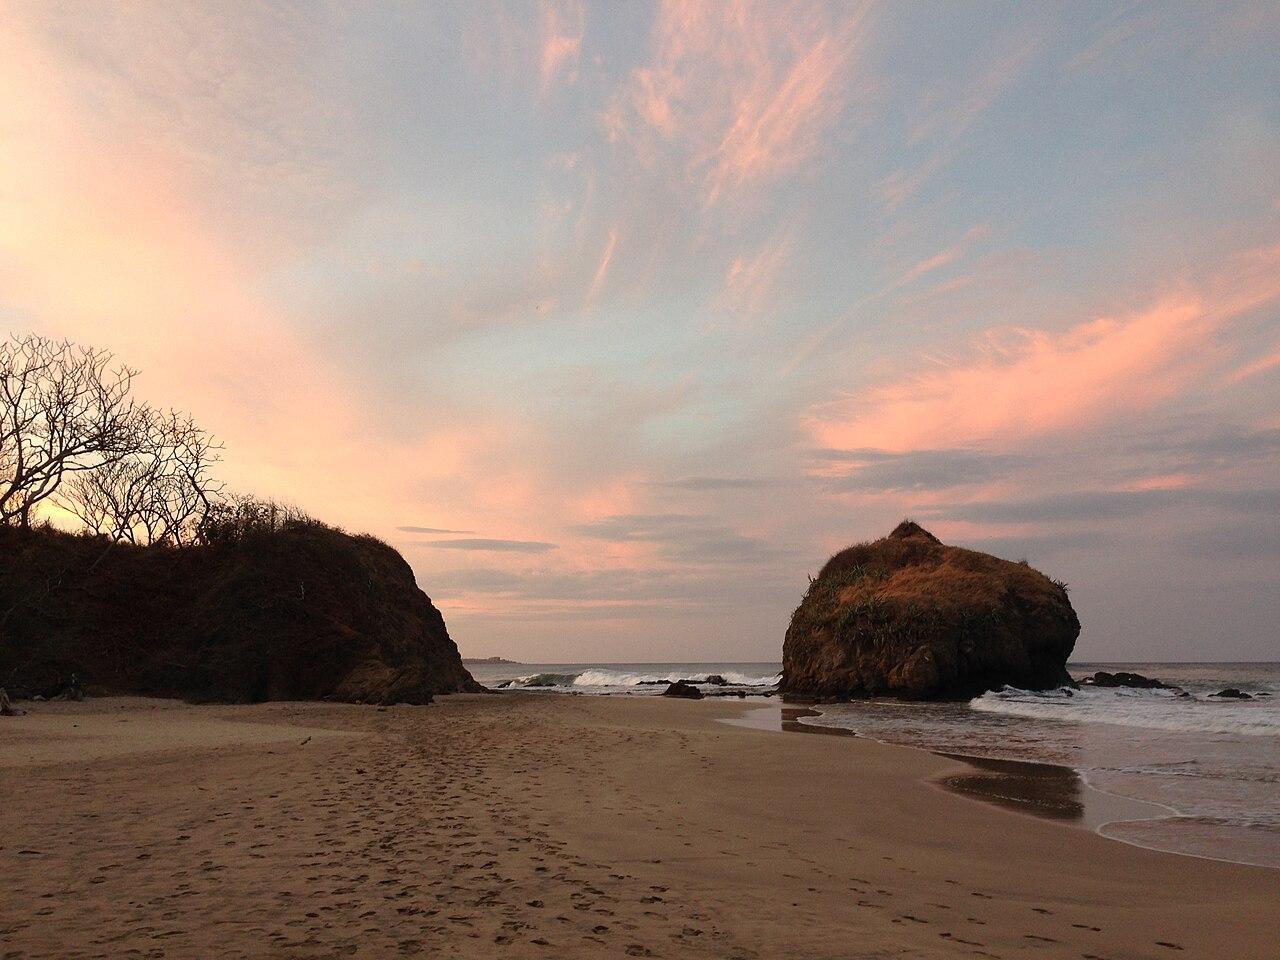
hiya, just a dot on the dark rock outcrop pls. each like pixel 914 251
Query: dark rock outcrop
pixel 683 690
pixel 1232 693
pixel 908 616
pixel 1122 679
pixel 305 613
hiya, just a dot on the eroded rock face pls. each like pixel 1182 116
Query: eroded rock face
pixel 908 616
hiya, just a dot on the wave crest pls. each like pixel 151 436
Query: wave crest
pixel 600 680
pixel 1151 709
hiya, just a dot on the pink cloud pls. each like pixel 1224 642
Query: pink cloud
pixel 1252 369
pixel 777 130
pixel 602 269
pixel 944 257
pixel 1163 481
pixel 1024 383
pixel 749 281
pixel 741 92
pixel 561 41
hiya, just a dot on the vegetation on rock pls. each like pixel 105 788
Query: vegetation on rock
pixel 911 617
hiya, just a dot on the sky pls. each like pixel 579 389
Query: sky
pixel 618 319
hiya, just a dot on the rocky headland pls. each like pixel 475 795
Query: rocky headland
pixel 305 612
pixel 909 616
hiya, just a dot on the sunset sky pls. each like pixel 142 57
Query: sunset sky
pixel 618 319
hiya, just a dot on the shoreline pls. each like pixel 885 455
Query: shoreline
pixel 992 773
pixel 1109 813
pixel 535 825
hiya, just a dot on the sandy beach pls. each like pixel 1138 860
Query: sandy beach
pixel 555 826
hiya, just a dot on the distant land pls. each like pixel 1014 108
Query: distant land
pixel 490 660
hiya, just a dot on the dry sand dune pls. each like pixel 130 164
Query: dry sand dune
pixel 541 826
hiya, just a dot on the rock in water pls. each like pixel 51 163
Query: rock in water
pixel 1122 679
pixel 684 690
pixel 908 616
pixel 1232 693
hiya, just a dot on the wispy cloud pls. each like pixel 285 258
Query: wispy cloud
pixel 500 546
pixel 682 537
pixel 880 470
pixel 818 338
pixel 1254 367
pixel 1025 382
pixel 561 24
pixel 430 530
pixel 1103 505
pixel 777 129
pixel 944 257
pixel 943 129
pixel 717 483
pixel 750 281
pixel 602 268
pixel 741 104
pixel 1034 547
pixel 629 527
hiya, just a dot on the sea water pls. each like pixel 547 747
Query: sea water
pixel 1213 764
pixel 639 679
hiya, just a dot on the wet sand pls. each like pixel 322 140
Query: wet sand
pixel 552 826
pixel 1044 790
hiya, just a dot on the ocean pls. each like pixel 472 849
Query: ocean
pixel 1203 772
pixel 623 678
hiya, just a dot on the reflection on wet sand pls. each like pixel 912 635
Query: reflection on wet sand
pixel 1043 790
pixel 790 722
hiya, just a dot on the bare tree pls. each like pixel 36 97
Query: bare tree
pixel 64 409
pixel 189 490
pixel 159 492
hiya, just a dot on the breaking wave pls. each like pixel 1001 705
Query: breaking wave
pixel 617 681
pixel 1150 709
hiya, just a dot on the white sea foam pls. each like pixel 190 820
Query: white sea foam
pixel 611 678
pixel 603 680
pixel 1150 709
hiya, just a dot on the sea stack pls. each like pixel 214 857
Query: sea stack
pixel 908 616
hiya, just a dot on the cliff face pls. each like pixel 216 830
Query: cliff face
pixel 911 617
pixel 306 613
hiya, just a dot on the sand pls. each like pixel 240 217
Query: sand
pixel 555 826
